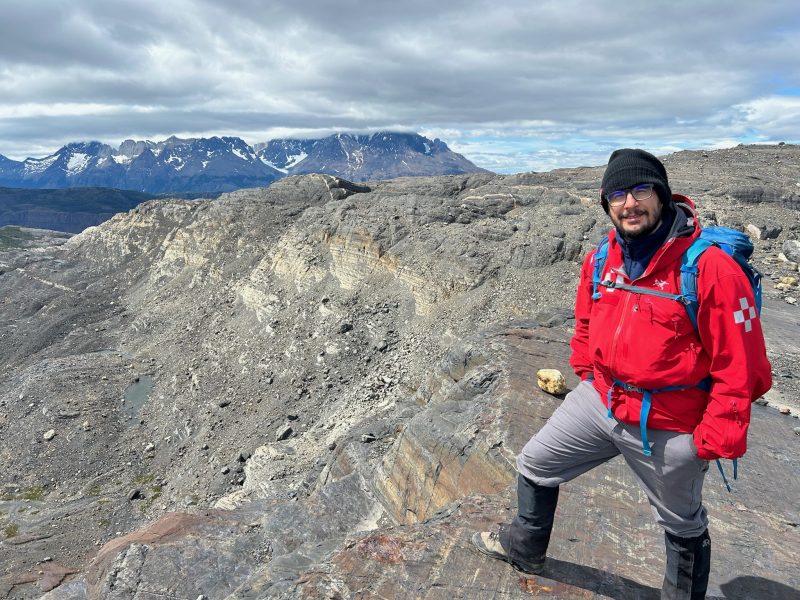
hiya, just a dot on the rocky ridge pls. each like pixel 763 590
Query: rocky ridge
pixel 317 389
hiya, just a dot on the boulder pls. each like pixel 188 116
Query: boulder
pixel 551 381
pixel 791 249
pixel 764 231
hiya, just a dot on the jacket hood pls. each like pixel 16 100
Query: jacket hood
pixel 686 218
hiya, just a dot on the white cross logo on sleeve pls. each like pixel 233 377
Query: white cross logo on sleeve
pixel 745 315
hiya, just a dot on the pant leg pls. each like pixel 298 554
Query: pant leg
pixel 672 478
pixel 576 439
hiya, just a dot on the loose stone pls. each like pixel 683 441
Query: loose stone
pixel 284 433
pixel 551 381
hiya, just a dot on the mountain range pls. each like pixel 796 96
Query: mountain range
pixel 222 164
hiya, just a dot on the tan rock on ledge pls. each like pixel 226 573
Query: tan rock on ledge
pixel 551 381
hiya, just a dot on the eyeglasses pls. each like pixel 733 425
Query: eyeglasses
pixel 640 192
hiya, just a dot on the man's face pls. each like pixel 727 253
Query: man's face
pixel 636 218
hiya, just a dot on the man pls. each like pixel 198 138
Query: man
pixel 665 395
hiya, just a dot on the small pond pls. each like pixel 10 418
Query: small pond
pixel 136 394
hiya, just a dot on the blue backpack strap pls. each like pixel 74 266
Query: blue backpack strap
pixel 722 472
pixel 600 256
pixel 647 400
pixel 689 273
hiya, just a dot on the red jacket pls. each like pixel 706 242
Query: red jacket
pixel 650 343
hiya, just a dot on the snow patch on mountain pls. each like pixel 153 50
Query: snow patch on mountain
pixel 176 162
pixel 37 165
pixel 240 154
pixel 77 163
pixel 294 159
pixel 272 165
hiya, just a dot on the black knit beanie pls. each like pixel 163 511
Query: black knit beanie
pixel 628 167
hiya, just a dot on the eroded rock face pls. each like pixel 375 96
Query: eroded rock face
pixel 354 534
pixel 169 347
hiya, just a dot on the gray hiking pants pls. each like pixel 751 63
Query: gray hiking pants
pixel 580 436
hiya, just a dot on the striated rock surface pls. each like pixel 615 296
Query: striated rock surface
pixel 447 473
pixel 318 389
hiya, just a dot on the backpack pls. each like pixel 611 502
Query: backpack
pixel 735 244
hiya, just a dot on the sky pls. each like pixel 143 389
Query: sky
pixel 514 86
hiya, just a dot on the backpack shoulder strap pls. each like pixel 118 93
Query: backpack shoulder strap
pixel 689 272
pixel 600 256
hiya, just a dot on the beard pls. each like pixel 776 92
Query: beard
pixel 649 227
pixel 638 221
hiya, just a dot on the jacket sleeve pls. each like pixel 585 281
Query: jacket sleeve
pixel 581 360
pixel 730 331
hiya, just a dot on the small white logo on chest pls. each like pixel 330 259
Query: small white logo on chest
pixel 660 284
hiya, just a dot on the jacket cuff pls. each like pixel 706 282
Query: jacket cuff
pixel 702 452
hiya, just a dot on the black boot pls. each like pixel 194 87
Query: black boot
pixel 688 566
pixel 526 538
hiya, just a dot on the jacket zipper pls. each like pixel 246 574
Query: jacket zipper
pixel 619 329
pixel 650 269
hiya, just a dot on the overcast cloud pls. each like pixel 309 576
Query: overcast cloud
pixel 514 85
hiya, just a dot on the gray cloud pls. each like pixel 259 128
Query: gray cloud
pixel 555 80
